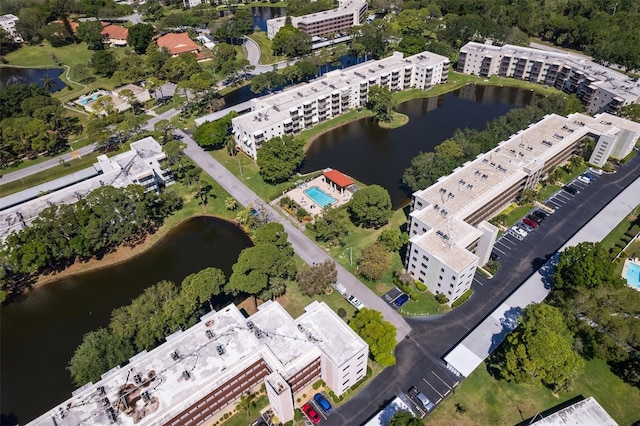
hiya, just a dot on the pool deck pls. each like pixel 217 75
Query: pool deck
pixel 297 194
pixel 628 261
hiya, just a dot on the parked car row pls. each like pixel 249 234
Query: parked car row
pixel 320 403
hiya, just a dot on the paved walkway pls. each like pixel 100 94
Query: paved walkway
pixel 47 164
pixel 308 251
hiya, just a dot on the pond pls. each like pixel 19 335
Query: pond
pixel 15 75
pixel 262 14
pixel 373 155
pixel 41 332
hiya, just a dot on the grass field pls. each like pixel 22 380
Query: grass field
pixel 42 56
pixel 266 51
pixel 487 401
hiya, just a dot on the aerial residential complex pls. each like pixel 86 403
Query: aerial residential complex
pixel 600 89
pixel 145 164
pixel 449 232
pixel 335 21
pixel 199 373
pixel 8 23
pixel 302 107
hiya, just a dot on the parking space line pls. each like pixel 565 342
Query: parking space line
pixel 508 240
pixel 425 380
pixel 440 378
pixel 498 248
pixel 476 280
pixel 503 245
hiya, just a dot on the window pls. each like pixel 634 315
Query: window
pixel 413 266
pixel 421 280
pixel 425 258
pixel 415 251
pixel 453 277
pixel 440 278
pixel 421 272
pixel 359 371
pixel 347 381
pixel 441 269
pixel 415 258
pixel 424 265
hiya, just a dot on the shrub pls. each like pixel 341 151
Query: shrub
pixel 342 313
pixel 420 286
pixel 226 416
pixel 441 298
pixel 317 385
pixel 413 296
pixel 297 415
pixel 467 294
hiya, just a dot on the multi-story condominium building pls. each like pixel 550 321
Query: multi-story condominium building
pixel 333 94
pixel 188 4
pixel 8 23
pixel 600 89
pixel 144 164
pixel 448 228
pixel 335 21
pixel 199 373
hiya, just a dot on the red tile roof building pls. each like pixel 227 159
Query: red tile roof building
pixel 115 35
pixel 177 43
pixel 339 179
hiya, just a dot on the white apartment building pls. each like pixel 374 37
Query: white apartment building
pixel 188 4
pixel 202 371
pixel 304 106
pixel 617 142
pixel 335 21
pixel 600 89
pixel 144 164
pixel 449 234
pixel 8 23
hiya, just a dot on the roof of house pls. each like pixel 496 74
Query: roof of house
pixel 115 32
pixel 338 178
pixel 177 43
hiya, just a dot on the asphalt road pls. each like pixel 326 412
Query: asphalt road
pixel 420 355
pixel 308 251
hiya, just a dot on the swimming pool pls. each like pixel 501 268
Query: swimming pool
pixel 633 275
pixel 92 98
pixel 319 196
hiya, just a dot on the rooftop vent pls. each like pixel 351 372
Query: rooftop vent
pixel 100 390
pixel 259 334
pixel 104 402
pixel 186 375
pixel 220 349
pixel 174 355
pixel 145 396
pixel 209 334
pixel 250 325
pixel 137 379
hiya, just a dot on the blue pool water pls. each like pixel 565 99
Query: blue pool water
pixel 319 196
pixel 93 98
pixel 633 275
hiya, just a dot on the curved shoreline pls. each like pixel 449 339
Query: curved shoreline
pixel 121 255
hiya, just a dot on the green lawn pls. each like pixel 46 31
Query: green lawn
pixel 425 305
pixel 241 418
pixel 48 175
pixel 266 51
pixel 72 55
pixel 309 135
pixel 245 169
pixel 516 212
pixel 487 401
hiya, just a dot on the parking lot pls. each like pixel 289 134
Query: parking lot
pixel 560 204
pixel 395 297
pixel 434 387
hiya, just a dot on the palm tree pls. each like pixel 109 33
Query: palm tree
pixel 48 82
pixel 246 403
pixel 230 203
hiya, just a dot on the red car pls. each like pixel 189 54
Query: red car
pixel 530 222
pixel 311 413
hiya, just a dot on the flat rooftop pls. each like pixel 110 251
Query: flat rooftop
pixel 270 110
pixel 223 344
pixel 587 412
pixel 456 196
pixel 344 8
pixel 608 78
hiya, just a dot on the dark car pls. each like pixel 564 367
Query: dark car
pixel 540 214
pixel 311 413
pixel 421 398
pixel 534 218
pixel 401 300
pixel 494 256
pixel 570 189
pixel 322 402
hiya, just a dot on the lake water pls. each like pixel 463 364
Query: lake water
pixel 262 14
pixel 14 75
pixel 41 332
pixel 374 155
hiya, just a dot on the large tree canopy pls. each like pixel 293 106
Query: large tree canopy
pixel 140 36
pixel 379 334
pixel 370 207
pixel 278 158
pixel 540 350
pixel 586 265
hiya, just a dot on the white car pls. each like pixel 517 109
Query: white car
pixel 519 231
pixel 355 302
pixel 584 179
pixel 595 171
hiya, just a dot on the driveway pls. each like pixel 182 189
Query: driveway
pixel 304 247
pixel 420 355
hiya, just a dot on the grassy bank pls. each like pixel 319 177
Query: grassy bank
pixel 46 56
pixel 397 120
pixel 266 51
pixel 487 401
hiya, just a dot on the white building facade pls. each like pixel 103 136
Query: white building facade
pixel 8 23
pixel 304 106
pixel 200 373
pixel 599 88
pixel 335 21
pixel 448 228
